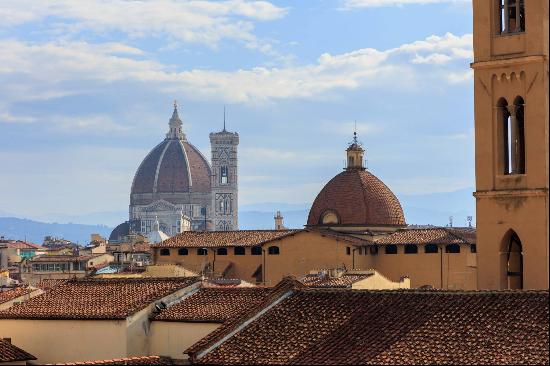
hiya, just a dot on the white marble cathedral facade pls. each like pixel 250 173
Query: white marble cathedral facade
pixel 176 185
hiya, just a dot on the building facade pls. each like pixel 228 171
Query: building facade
pixel 511 130
pixel 176 186
pixel 225 176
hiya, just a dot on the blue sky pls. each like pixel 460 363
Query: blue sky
pixel 87 89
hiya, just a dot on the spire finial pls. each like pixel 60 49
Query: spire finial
pixel 355 133
pixel 175 124
pixel 223 118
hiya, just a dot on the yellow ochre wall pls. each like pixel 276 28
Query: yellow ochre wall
pixel 172 338
pixel 307 250
pixel 52 341
pixel 507 66
pixel 457 269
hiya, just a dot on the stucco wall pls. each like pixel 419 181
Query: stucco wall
pixel 427 269
pixel 53 341
pixel 507 66
pixel 301 253
pixel 172 338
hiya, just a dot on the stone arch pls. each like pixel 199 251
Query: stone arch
pixel 512 261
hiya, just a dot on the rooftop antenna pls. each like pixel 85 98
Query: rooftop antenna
pixel 450 221
pixel 469 219
pixel 355 132
pixel 175 104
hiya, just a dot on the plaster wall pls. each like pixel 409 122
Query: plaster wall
pixel 457 269
pixel 53 341
pixel 172 338
pixel 507 66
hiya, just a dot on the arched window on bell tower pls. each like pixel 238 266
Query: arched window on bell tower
pixel 511 16
pixel 511 131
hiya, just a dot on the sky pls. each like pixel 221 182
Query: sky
pixel 87 87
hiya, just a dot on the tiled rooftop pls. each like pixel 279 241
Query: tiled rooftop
pixel 388 327
pixel 13 293
pixel 211 239
pixel 63 258
pixel 46 284
pixel 141 360
pixel 358 198
pixel 438 235
pixel 11 353
pixel 22 245
pixel 97 298
pixel 326 281
pixel 215 304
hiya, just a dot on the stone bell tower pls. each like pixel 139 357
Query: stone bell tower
pixel 511 141
pixel 225 188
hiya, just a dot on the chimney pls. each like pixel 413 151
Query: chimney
pixel 7 340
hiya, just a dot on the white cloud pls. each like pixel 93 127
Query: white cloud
pixel 460 77
pixel 197 21
pixel 434 58
pixel 48 70
pixel 353 4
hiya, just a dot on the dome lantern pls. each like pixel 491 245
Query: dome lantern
pixel 355 153
pixel 175 124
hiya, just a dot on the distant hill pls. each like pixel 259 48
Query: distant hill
pixel 420 209
pixel 34 231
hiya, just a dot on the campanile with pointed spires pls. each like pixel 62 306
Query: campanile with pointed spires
pixel 224 183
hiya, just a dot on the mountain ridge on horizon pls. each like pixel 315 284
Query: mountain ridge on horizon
pixel 420 209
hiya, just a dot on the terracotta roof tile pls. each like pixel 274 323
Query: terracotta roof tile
pixel 325 281
pixel 358 198
pixel 140 360
pixel 92 298
pixel 22 245
pixel 46 284
pixel 13 293
pixel 63 258
pixel 212 239
pixel 429 236
pixel 388 327
pixel 11 353
pixel 215 304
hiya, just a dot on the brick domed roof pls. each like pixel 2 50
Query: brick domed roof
pixel 357 197
pixel 173 166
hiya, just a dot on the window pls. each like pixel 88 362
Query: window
pixel 221 251
pixel 273 250
pixel 224 175
pixel 165 251
pixel 183 251
pixel 511 129
pixel 239 251
pixel 473 248
pixel 202 251
pixel 329 217
pixel 256 250
pixel 452 248
pixel 411 249
pixel 348 250
pixel 513 264
pixel 391 249
pixel 511 16
pixel 374 250
pixel 430 248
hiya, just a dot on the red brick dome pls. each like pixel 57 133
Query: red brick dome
pixel 173 166
pixel 356 197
